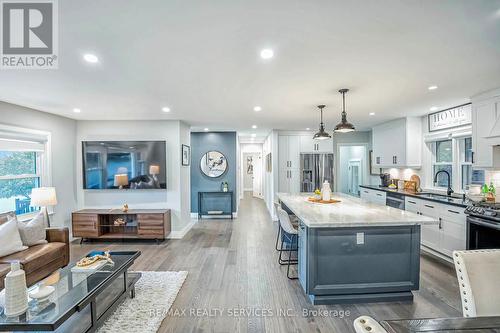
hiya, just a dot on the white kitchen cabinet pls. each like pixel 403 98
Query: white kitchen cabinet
pixel 398 143
pixel 289 163
pixel 453 230
pixel 373 196
pixel 486 130
pixel 431 234
pixel 365 194
pixel 446 236
pixel 309 145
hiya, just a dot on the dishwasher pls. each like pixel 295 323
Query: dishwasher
pixel 396 200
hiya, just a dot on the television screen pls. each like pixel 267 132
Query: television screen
pixel 138 165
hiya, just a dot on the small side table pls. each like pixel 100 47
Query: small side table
pixel 215 196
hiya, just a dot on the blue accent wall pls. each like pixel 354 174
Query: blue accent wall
pixel 224 142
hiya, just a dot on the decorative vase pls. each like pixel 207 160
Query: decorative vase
pixel 16 293
pixel 326 191
pixel 125 208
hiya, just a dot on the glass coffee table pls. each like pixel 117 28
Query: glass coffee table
pixel 81 301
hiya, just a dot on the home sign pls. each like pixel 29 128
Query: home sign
pixel 453 117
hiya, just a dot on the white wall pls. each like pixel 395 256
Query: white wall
pixel 175 197
pixel 270 182
pixel 62 150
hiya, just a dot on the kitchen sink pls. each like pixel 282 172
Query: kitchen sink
pixel 440 197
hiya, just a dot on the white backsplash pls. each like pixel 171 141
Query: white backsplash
pixel 493 176
pixel 403 174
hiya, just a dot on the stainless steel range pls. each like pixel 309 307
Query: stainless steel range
pixel 483 226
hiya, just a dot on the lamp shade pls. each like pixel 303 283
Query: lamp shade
pixel 154 169
pixel 121 180
pixel 43 196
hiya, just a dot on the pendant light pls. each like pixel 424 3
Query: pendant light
pixel 344 126
pixel 322 134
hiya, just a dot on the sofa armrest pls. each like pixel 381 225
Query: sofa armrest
pixel 57 235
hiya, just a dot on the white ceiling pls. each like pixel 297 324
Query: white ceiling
pixel 201 58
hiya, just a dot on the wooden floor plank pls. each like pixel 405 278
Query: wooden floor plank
pixel 232 265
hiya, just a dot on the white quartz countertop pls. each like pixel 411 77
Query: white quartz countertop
pixel 349 212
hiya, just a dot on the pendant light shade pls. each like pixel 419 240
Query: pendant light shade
pixel 322 134
pixel 344 126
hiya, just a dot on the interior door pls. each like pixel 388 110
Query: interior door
pixel 354 177
pixel 257 176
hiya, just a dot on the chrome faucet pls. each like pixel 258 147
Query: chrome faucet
pixel 449 191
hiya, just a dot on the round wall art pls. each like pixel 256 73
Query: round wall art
pixel 213 164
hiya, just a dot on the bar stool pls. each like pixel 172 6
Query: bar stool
pixel 477 273
pixel 291 235
pixel 294 219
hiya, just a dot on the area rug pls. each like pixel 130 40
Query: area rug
pixel 154 294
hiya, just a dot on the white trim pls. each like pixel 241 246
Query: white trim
pixel 181 233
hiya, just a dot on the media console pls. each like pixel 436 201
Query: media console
pixel 134 224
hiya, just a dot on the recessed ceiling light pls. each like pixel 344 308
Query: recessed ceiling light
pixel 205 129
pixel 92 58
pixel 372 113
pixel 254 135
pixel 432 87
pixel 76 110
pixel 254 126
pixel 257 108
pixel 308 129
pixel 434 108
pixel 266 53
pixel 165 109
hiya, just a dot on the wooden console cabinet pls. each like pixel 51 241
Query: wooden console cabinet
pixel 139 224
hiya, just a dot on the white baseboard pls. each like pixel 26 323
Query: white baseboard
pixel 181 233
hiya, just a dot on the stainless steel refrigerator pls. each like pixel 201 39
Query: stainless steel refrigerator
pixel 314 170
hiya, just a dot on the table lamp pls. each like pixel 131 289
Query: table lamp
pixel 43 197
pixel 121 180
pixel 154 170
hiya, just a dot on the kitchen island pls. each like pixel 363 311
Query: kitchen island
pixel 354 251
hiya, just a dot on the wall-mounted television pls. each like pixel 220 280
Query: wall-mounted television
pixel 137 165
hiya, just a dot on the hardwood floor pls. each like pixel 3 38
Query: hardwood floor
pixel 233 267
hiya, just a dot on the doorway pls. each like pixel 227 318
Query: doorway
pixel 252 173
pixel 355 176
pixel 352 168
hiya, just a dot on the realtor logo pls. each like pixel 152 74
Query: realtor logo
pixel 29 34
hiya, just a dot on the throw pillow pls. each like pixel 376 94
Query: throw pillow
pixel 10 240
pixel 33 232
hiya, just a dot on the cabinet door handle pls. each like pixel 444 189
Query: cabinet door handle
pixel 440 223
pixel 379 194
pixel 429 206
pixel 472 157
pixel 453 211
pixel 412 202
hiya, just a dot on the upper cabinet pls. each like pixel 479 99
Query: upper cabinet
pixel 398 143
pixel 486 130
pixel 309 145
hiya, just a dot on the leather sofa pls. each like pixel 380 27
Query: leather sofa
pixel 38 261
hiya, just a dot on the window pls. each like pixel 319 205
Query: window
pixel 443 161
pixel 455 157
pixel 465 149
pixel 23 165
pixel 19 174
